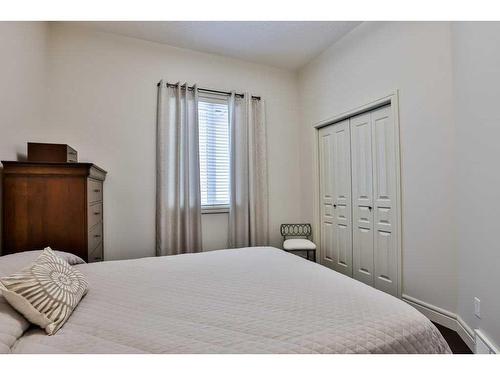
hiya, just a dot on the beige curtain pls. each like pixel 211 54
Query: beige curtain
pixel 178 202
pixel 248 211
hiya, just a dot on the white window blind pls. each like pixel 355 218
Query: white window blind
pixel 214 152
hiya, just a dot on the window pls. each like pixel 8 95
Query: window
pixel 213 117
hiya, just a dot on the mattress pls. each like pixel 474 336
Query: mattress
pixel 250 300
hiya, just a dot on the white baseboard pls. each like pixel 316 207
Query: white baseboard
pixel 445 318
pixel 483 344
pixel 466 333
pixel 434 313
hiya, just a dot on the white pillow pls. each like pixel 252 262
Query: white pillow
pixel 46 292
pixel 12 326
pixel 12 323
pixel 15 262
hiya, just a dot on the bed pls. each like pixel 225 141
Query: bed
pixel 250 300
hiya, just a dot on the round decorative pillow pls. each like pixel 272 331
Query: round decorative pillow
pixel 46 292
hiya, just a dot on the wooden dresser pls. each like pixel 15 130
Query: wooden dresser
pixel 53 204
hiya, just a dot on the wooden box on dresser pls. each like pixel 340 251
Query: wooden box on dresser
pixel 53 204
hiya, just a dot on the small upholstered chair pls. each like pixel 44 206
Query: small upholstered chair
pixel 301 241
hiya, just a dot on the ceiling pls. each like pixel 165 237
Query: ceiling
pixel 283 44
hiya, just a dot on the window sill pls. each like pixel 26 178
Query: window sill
pixel 206 210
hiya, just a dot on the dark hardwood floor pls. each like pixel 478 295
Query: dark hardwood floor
pixel 457 345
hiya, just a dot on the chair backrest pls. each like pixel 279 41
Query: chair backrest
pixel 296 230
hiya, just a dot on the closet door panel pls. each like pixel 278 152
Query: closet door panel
pixel 384 192
pixel 385 262
pixel 326 193
pixel 362 198
pixel 362 160
pixel 335 191
pixel 342 198
pixel 343 248
pixel 364 260
pixel 327 243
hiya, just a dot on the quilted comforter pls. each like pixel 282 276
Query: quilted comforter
pixel 251 300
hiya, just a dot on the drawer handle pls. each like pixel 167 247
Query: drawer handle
pixel 97 213
pixel 97 235
pixel 97 191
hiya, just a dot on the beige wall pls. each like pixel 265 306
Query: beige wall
pixel 23 47
pixel 102 101
pixel 371 62
pixel 476 58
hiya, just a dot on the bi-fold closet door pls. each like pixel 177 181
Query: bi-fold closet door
pixel 335 174
pixel 358 189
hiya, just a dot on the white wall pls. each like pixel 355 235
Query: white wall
pixel 215 231
pixel 22 86
pixel 369 63
pixel 102 101
pixel 476 57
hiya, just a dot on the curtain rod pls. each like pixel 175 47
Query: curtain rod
pixel 209 90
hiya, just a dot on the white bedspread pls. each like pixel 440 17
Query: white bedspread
pixel 252 300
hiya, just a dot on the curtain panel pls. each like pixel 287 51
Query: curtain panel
pixel 248 211
pixel 178 202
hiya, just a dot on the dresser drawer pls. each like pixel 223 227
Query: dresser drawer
pixel 94 191
pixel 96 255
pixel 94 215
pixel 95 237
